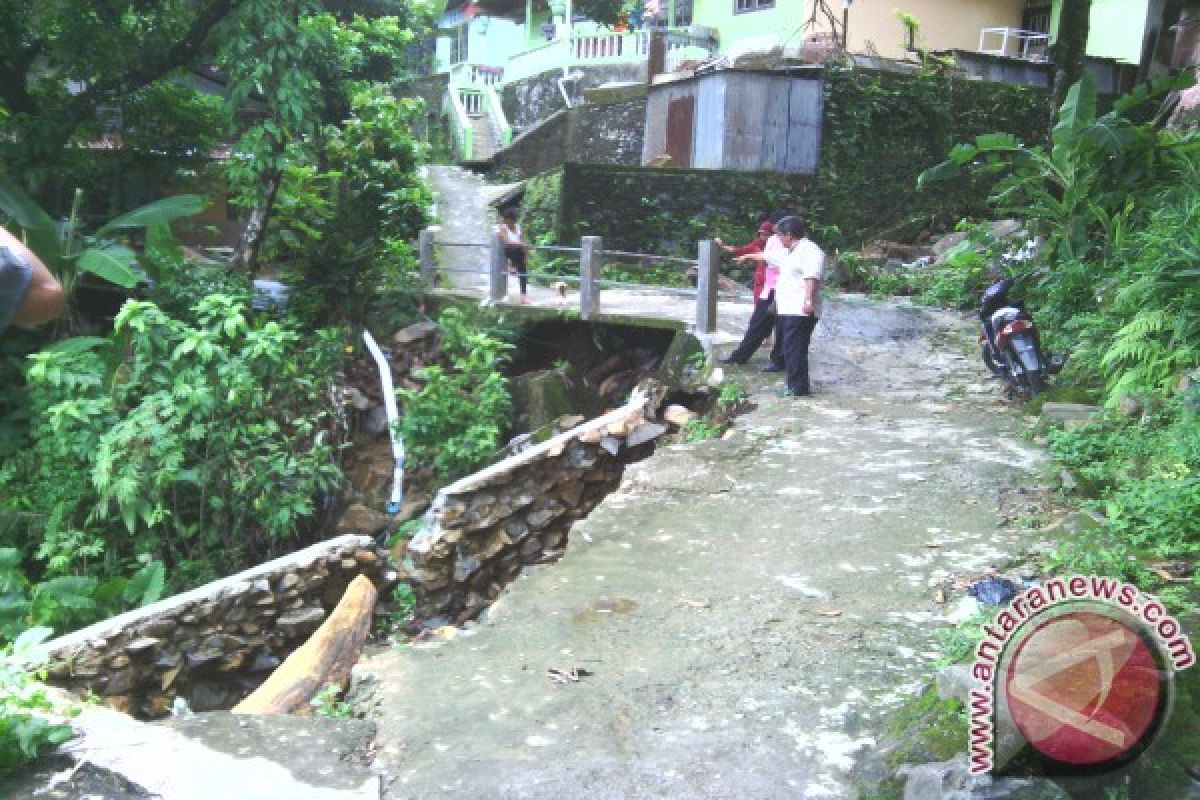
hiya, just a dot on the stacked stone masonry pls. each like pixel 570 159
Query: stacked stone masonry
pixel 482 531
pixel 212 646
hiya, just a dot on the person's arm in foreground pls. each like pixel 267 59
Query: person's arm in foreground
pixel 37 294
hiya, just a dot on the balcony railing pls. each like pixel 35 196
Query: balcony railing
pixel 600 48
pixel 475 76
pixel 1015 43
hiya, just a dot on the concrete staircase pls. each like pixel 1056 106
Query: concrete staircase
pixel 483 140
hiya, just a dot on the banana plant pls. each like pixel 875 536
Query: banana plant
pixel 1074 188
pixel 69 253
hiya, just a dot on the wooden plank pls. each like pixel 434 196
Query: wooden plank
pixel 708 150
pixel 746 101
pixel 776 124
pixel 681 114
pixel 327 657
pixel 804 126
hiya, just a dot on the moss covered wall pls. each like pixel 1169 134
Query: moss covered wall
pixel 881 130
pixel 668 210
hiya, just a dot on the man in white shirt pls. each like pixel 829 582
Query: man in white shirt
pixel 801 265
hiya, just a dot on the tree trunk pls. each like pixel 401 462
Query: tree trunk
pixel 245 255
pixel 327 657
pixel 1187 56
pixel 1070 49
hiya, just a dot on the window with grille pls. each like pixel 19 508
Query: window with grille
pixel 458 44
pixel 683 13
pixel 1036 17
pixel 742 6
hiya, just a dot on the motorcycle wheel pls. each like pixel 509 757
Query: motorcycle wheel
pixel 1035 384
pixel 990 362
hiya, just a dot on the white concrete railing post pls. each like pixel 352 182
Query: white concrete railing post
pixel 706 287
pixel 425 254
pixel 590 264
pixel 497 274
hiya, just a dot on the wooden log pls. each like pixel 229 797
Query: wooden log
pixel 327 657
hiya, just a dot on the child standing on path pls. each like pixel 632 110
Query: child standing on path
pixel 515 249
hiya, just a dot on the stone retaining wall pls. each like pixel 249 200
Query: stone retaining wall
pixel 215 644
pixel 527 102
pixel 483 530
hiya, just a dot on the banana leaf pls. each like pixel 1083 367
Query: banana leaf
pixel 158 212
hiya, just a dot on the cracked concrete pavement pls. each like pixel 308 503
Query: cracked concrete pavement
pixel 747 610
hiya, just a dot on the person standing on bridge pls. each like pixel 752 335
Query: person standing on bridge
pixel 516 250
pixel 763 320
pixel 801 266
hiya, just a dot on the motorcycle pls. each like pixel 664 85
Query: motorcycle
pixel 1011 348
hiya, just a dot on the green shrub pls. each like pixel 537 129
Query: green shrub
pixel 455 422
pixel 25 732
pixel 204 446
pixel 1144 477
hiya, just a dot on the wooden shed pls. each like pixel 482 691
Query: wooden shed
pixel 736 120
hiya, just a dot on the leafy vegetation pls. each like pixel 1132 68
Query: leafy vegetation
pixel 455 422
pixel 328 702
pixel 731 401
pixel 200 446
pixel 25 731
pixel 1113 201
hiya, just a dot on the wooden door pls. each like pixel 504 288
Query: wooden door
pixel 681 116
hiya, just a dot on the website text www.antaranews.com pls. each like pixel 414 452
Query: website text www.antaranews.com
pixel 1148 612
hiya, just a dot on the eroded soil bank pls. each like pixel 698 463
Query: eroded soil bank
pixel 739 617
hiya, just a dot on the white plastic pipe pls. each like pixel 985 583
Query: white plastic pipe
pixel 389 406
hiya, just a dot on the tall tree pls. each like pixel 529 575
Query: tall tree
pixel 1070 49
pixel 67 64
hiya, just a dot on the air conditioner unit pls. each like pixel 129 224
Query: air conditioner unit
pixel 702 32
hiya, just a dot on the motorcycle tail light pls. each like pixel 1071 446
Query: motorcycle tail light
pixel 1019 326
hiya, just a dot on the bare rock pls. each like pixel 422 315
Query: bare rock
pixel 679 415
pixel 644 433
pixel 415 333
pixel 301 622
pixel 356 398
pixel 569 421
pixel 375 421
pixel 946 243
pixel 360 519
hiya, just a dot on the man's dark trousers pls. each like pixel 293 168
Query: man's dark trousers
pixel 796 331
pixel 762 322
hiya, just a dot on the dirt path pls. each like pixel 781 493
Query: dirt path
pixel 748 610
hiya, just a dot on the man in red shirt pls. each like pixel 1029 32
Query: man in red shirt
pixel 762 321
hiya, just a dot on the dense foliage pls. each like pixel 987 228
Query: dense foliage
pixel 881 129
pixel 1116 282
pixel 25 732
pixel 195 444
pixel 189 436
pixel 456 421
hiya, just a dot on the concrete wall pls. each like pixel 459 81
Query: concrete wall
pixel 531 100
pixel 217 643
pixel 536 150
pixel 945 24
pixel 607 129
pixel 1115 28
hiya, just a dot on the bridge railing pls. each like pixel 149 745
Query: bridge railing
pixel 591 260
